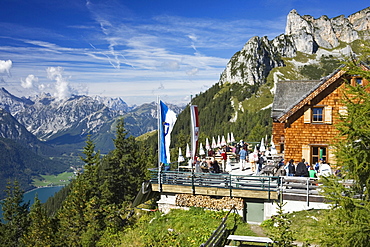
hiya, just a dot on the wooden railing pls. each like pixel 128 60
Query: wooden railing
pixel 219 235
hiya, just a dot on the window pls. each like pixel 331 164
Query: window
pixel 359 81
pixel 318 114
pixel 318 152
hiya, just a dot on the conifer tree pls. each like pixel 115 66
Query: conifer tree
pixel 92 160
pixel 280 231
pixel 80 218
pixel 122 170
pixel 40 232
pixel 94 216
pixel 72 222
pixel 91 156
pixel 15 213
pixel 348 221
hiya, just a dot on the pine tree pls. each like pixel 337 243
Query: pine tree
pixel 92 157
pixel 15 213
pixel 280 231
pixel 72 222
pixel 92 160
pixel 122 170
pixel 40 232
pixel 80 218
pixel 347 223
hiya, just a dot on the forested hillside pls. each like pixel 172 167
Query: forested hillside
pixel 224 108
pixel 95 205
pixel 21 164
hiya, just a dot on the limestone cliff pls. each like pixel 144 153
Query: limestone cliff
pixel 303 34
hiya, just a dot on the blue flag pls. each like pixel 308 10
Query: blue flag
pixel 168 119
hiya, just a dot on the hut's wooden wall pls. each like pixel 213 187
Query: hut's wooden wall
pixel 278 135
pixel 299 135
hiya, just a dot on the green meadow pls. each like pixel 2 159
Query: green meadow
pixel 54 180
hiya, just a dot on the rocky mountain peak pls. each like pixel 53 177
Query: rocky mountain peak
pixel 303 34
pixel 309 33
pixel 360 20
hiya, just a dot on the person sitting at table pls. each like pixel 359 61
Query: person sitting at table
pixel 197 166
pixel 209 162
pixel 216 167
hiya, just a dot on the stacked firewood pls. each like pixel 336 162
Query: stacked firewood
pixel 187 200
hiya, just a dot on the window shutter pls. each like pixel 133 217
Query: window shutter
pixel 328 114
pixel 306 153
pixel 331 155
pixel 307 114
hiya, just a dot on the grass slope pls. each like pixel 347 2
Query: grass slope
pixel 177 228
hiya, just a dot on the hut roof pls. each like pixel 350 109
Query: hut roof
pixel 290 96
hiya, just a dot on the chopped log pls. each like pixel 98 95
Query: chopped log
pixel 186 200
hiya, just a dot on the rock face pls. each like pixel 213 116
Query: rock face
pixel 57 121
pixel 253 62
pixel 45 116
pixel 302 34
pixel 309 33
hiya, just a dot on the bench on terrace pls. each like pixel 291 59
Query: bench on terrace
pixel 250 239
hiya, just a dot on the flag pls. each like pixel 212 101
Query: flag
pixel 194 130
pixel 168 119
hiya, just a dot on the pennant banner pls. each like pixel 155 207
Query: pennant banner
pixel 168 119
pixel 194 130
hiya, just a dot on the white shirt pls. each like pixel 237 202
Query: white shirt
pixel 325 170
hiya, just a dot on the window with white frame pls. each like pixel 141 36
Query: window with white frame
pixel 318 114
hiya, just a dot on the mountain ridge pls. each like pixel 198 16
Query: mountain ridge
pixel 303 34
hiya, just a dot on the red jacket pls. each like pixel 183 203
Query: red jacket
pixel 224 155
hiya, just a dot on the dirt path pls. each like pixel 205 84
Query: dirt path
pixel 258 230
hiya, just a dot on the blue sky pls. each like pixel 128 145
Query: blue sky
pixel 137 49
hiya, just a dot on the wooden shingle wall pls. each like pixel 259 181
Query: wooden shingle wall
pixel 278 135
pixel 300 135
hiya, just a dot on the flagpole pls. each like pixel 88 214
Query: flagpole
pixel 159 145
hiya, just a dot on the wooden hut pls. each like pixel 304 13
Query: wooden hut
pixel 305 113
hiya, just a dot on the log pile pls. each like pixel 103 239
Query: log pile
pixel 186 200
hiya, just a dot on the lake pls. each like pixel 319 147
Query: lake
pixel 43 194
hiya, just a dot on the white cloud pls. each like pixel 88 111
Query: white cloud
pixel 192 72
pixel 41 87
pixel 62 89
pixel 5 66
pixel 29 82
pixel 171 65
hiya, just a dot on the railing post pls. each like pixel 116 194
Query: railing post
pixel 230 186
pixel 281 194
pixel 308 192
pixel 160 180
pixel 269 191
pixel 193 182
